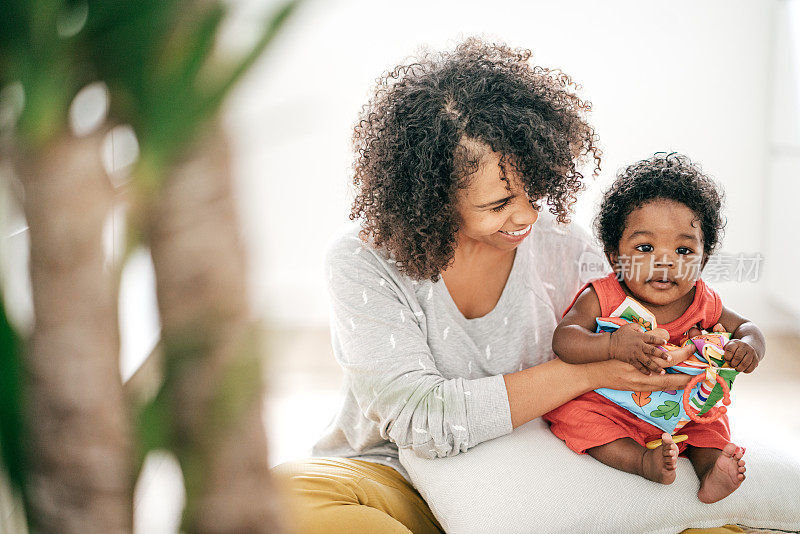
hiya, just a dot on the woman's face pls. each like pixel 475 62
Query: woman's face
pixel 490 213
pixel 661 251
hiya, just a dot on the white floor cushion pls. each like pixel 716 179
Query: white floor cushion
pixel 529 481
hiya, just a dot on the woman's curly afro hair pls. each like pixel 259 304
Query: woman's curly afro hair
pixel 661 177
pixel 415 145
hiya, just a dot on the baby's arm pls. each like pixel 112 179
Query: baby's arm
pixel 747 345
pixel 575 340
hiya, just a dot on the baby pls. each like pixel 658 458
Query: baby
pixel 659 223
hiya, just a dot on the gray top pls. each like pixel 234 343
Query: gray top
pixel 417 373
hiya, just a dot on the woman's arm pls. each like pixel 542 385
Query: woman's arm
pixel 535 391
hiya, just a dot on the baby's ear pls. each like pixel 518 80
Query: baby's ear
pixel 613 261
pixel 704 261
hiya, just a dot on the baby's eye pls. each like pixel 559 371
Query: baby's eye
pixel 683 250
pixel 644 248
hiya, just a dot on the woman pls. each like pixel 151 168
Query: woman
pixel 445 294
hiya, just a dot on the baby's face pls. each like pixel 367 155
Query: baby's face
pixel 661 251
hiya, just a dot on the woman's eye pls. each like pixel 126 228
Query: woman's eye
pixel 501 207
pixel 644 248
pixel 683 250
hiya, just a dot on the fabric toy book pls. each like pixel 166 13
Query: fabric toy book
pixel 671 410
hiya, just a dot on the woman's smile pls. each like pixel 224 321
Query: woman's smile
pixel 518 235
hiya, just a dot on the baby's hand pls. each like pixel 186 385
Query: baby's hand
pixel 640 349
pixel 694 331
pixel 741 356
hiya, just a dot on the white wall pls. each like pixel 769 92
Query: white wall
pixel 716 79
pixel 782 216
pixel 691 76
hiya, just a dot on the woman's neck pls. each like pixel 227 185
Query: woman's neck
pixel 477 277
pixel 477 257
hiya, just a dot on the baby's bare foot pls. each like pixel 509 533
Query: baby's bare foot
pixel 659 464
pixel 725 475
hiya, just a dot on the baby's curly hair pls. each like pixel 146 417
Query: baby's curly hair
pixel 426 127
pixel 664 176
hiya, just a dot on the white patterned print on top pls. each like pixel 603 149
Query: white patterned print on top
pixel 465 360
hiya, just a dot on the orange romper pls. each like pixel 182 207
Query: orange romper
pixel 591 420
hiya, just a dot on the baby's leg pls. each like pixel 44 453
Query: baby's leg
pixel 720 471
pixel 626 455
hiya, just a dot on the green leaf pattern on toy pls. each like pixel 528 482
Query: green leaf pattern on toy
pixel 716 394
pixel 668 410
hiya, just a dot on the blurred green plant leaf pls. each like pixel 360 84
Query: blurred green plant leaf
pixel 272 28
pixel 46 64
pixel 157 57
pixel 12 429
pixel 153 426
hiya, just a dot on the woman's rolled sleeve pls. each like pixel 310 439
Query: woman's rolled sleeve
pixel 488 411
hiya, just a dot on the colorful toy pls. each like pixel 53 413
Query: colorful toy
pixel 671 410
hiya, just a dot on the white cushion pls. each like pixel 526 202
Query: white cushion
pixel 529 481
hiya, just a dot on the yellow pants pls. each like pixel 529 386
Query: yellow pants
pixel 346 495
pixel 332 495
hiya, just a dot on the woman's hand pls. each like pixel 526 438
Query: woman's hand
pixel 640 349
pixel 615 374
